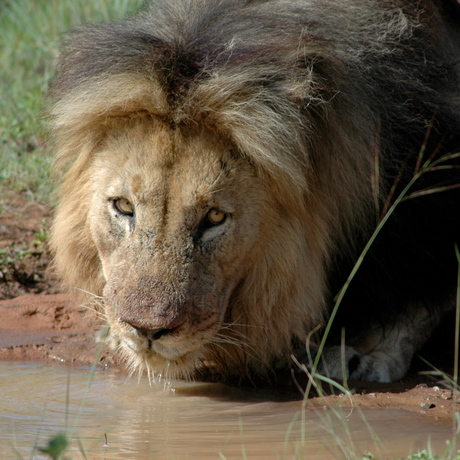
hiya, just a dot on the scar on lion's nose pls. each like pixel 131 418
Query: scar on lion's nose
pixel 152 333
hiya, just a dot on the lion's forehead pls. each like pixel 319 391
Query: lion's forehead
pixel 164 171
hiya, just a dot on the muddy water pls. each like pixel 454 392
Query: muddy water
pixel 116 418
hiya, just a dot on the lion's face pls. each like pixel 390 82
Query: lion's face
pixel 176 226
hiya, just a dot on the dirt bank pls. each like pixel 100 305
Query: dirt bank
pixel 50 328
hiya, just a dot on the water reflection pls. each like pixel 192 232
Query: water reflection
pixel 191 421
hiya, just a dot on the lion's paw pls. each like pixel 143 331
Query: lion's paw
pixel 346 363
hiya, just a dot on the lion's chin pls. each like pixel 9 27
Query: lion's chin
pixel 163 365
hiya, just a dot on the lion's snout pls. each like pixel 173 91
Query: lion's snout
pixel 148 307
pixel 156 318
pixel 151 319
pixel 157 326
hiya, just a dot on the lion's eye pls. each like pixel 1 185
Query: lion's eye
pixel 216 217
pixel 123 206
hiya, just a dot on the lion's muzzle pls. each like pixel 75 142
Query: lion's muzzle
pixel 160 320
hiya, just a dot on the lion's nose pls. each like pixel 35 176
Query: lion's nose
pixel 151 333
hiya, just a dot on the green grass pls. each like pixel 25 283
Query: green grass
pixel 31 31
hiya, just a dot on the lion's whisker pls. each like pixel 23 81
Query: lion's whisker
pixel 231 340
pixel 230 325
pixel 91 294
pixel 220 340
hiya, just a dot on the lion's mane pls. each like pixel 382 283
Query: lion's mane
pixel 331 101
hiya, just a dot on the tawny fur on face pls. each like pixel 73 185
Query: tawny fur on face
pixel 175 221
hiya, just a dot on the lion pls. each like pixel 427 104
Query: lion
pixel 238 177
